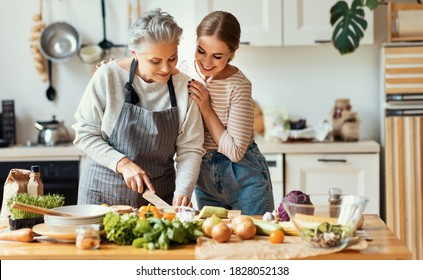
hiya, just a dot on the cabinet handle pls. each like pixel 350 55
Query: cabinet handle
pixel 244 43
pixel 331 160
pixel 322 41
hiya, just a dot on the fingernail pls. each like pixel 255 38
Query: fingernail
pixel 189 82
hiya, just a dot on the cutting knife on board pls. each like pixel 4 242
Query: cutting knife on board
pixel 154 199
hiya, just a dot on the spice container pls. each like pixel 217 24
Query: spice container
pixel 88 237
pixel 335 199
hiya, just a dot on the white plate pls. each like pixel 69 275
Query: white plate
pixel 57 232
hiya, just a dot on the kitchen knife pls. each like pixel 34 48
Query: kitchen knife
pixel 154 199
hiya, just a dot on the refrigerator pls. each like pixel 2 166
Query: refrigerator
pixel 402 142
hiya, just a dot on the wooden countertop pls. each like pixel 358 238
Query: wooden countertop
pixel 385 246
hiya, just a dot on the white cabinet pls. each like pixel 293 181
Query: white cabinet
pixel 281 22
pixel 261 20
pixel 307 22
pixel 353 173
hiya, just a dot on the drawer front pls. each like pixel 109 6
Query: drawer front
pixel 352 173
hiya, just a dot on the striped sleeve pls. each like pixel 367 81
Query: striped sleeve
pixel 240 123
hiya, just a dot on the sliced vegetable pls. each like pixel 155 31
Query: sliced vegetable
pixel 147 211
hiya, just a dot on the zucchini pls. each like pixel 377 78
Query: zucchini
pixel 208 211
pixel 265 227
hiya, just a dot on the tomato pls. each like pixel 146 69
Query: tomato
pixel 277 236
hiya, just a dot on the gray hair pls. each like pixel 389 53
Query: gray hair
pixel 154 27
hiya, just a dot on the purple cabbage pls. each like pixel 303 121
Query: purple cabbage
pixel 297 197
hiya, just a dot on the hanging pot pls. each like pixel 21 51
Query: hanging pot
pixel 59 41
pixel 52 132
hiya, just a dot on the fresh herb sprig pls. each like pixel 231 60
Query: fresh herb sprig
pixel 46 201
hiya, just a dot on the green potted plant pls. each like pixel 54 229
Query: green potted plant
pixel 24 219
pixel 349 23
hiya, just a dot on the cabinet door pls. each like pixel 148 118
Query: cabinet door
pixel 307 22
pixel 353 173
pixel 260 20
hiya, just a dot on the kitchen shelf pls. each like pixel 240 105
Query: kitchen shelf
pixel 393 20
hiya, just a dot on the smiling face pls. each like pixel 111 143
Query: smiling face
pixel 211 56
pixel 157 62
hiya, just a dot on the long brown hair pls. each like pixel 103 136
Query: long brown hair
pixel 222 24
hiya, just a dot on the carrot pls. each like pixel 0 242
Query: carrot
pixel 22 235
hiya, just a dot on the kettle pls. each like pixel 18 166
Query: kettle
pixel 52 132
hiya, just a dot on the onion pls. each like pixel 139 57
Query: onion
pixel 246 230
pixel 209 223
pixel 239 219
pixel 221 232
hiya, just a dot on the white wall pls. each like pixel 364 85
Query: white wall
pixel 305 80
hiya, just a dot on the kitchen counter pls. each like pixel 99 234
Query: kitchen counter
pixel 299 147
pixel 25 153
pixel 70 152
pixel 385 246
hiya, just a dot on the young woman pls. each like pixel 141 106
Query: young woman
pixel 134 116
pixel 233 174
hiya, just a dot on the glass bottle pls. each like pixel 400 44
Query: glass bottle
pixel 35 184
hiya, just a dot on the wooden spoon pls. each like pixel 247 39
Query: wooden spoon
pixel 41 210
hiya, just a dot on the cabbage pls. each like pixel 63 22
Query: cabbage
pixel 297 197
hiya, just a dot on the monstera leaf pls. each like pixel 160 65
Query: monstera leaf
pixel 349 25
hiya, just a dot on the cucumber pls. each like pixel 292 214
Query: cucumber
pixel 265 227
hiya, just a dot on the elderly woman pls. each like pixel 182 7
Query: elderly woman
pixel 135 120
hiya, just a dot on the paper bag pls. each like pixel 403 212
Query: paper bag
pixel 16 182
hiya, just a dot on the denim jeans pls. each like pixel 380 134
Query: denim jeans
pixel 243 185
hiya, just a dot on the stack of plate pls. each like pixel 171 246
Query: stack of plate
pixel 62 229
pixel 87 214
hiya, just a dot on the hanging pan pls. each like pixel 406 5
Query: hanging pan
pixel 59 41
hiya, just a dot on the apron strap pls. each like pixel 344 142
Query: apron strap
pixel 131 95
pixel 172 92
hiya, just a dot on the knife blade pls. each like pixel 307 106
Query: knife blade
pixel 154 199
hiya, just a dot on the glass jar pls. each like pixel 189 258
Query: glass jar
pixel 88 237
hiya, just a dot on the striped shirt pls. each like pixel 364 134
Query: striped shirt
pixel 232 102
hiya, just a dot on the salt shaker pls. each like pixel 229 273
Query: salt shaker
pixel 334 199
pixel 88 237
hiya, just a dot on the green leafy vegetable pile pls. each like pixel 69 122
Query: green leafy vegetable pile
pixel 46 201
pixel 151 233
